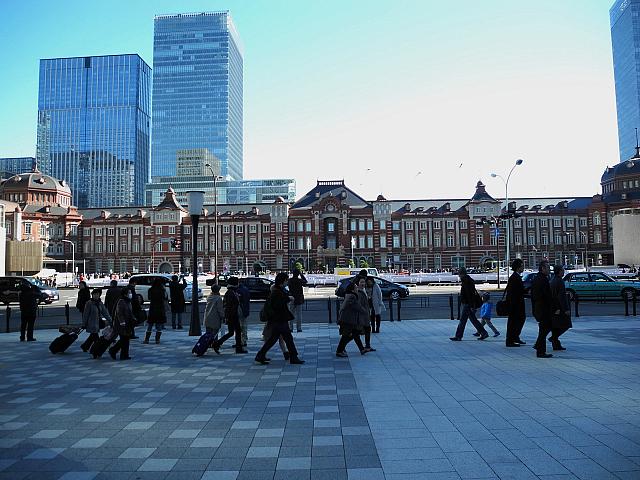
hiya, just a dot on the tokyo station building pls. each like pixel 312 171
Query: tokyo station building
pixel 320 228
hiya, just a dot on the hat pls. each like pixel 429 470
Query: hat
pixel 215 288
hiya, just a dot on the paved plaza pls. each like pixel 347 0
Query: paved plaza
pixel 421 407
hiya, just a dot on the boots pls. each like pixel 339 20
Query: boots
pixel 294 360
pixel 147 336
pixel 239 349
pixel 158 337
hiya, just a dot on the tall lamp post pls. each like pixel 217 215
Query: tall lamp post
pixel 215 218
pixel 506 200
pixel 196 203
pixel 73 259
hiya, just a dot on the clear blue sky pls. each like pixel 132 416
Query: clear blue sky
pixel 453 90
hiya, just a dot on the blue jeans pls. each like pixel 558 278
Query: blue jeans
pixel 469 313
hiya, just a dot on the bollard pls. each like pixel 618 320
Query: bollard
pixel 66 312
pixel 577 314
pixel 398 302
pixel 626 306
pixel 329 305
pixel 451 306
pixel 8 317
pixel 391 310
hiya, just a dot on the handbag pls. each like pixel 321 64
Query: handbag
pixel 502 307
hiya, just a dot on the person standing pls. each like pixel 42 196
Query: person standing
pixel 138 312
pixel 244 296
pixel 157 310
pixel 541 304
pixel 377 305
pixel 349 321
pixel 296 290
pixel 94 311
pixel 515 303
pixel 112 296
pixel 176 290
pixel 470 301
pixel 123 325
pixel 214 314
pixel 278 318
pixel 83 296
pixel 364 321
pixel 561 317
pixel 28 311
pixel 231 304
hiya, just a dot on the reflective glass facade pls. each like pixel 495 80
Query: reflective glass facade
pixel 94 125
pixel 625 41
pixel 16 165
pixel 197 91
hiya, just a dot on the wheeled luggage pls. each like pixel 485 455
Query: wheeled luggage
pixel 203 344
pixel 61 343
pixel 102 343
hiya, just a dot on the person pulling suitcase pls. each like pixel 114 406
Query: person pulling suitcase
pixel 93 313
pixel 123 323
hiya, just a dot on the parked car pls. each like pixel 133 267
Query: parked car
pixel 259 287
pixel 389 289
pixel 598 285
pixel 10 290
pixel 145 280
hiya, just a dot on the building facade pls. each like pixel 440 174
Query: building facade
pixel 625 42
pixel 15 165
pixel 94 127
pixel 197 91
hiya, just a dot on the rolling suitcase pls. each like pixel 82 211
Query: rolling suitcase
pixel 203 344
pixel 102 343
pixel 61 343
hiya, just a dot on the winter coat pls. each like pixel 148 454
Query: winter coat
pixel 136 308
pixel 364 319
pixel 93 312
pixel 561 303
pixel 351 310
pixel 515 297
pixel 157 305
pixel 376 300
pixel 296 289
pixel 84 295
pixel 468 293
pixel 245 300
pixel 541 300
pixel 231 303
pixel 28 302
pixel 123 320
pixel 176 289
pixel 279 306
pixel 214 312
pixel 111 298
pixel 485 310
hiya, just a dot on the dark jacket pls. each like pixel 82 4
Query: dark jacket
pixel 123 321
pixel 157 304
pixel 515 296
pixel 541 299
pixel 468 293
pixel 296 289
pixel 560 304
pixel 351 310
pixel 245 300
pixel 28 302
pixel 111 298
pixel 84 295
pixel 93 312
pixel 279 306
pixel 136 308
pixel 176 289
pixel 231 303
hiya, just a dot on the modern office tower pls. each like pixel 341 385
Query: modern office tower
pixel 15 166
pixel 196 162
pixel 94 125
pixel 197 91
pixel 625 42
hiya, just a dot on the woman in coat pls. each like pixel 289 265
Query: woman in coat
pixel 83 296
pixel 515 301
pixel 214 314
pixel 123 323
pixel 377 305
pixel 176 290
pixel 561 316
pixel 278 317
pixel 157 310
pixel 364 321
pixel 94 311
pixel 349 321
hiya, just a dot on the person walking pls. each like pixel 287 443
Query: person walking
pixel 278 316
pixel 486 311
pixel 28 311
pixel 515 303
pixel 377 304
pixel 231 303
pixel 176 290
pixel 349 321
pixel 84 296
pixel 93 313
pixel 214 314
pixel 157 310
pixel 123 325
pixel 296 289
pixel 470 300
pixel 138 312
pixel 541 304
pixel 112 296
pixel 561 317
pixel 364 321
pixel 244 296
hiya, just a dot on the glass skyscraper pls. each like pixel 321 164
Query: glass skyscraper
pixel 197 91
pixel 94 125
pixel 625 41
pixel 15 166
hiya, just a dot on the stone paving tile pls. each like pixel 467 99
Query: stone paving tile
pixel 420 407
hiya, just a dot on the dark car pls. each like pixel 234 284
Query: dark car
pixel 10 290
pixel 259 287
pixel 389 289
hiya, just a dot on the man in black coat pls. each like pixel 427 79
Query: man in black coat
pixel 470 301
pixel 176 291
pixel 231 302
pixel 541 305
pixel 561 319
pixel 112 296
pixel 515 301
pixel 28 311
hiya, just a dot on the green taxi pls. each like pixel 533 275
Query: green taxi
pixel 599 285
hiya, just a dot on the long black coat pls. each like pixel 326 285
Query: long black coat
pixel 176 289
pixel 468 293
pixel 84 295
pixel 157 303
pixel 28 302
pixel 541 299
pixel 560 302
pixel 515 297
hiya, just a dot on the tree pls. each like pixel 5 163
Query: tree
pixel 298 266
pixel 351 263
pixel 364 263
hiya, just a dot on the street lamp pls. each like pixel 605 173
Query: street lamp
pixel 308 253
pixel 73 259
pixel 506 199
pixel 215 218
pixel 195 199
